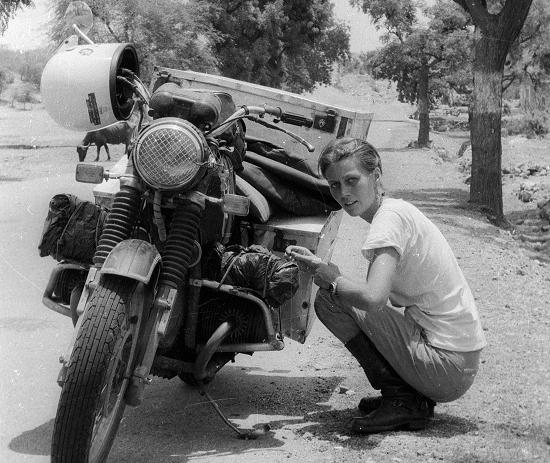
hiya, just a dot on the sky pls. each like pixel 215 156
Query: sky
pixel 29 27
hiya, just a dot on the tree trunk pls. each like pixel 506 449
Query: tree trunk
pixel 485 126
pixel 423 106
pixel 494 35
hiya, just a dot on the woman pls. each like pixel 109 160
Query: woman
pixel 412 323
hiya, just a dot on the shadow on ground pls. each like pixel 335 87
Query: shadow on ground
pixel 175 420
pixel 332 424
pixel 449 206
pixel 37 441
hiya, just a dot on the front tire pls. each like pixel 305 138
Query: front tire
pixel 92 399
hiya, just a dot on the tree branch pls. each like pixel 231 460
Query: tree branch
pixel 512 16
pixel 232 9
pixel 110 29
pixel 436 58
pixel 531 36
pixel 511 79
pixel 462 3
pixel 478 11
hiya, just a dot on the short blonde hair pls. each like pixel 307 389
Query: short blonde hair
pixel 343 148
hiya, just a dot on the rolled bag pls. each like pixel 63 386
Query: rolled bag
pixel 291 190
pixel 269 150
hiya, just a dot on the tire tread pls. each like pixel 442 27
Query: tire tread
pixel 105 321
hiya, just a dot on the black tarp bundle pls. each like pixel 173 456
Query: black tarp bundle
pixel 72 229
pixel 289 183
pixel 254 267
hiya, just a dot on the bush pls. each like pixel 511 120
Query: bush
pixel 536 124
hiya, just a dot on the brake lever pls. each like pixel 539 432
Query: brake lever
pixel 299 139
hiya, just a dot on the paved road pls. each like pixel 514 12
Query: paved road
pixel 31 337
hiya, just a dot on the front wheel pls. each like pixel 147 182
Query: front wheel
pixel 92 399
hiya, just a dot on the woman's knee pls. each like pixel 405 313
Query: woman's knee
pixel 326 307
pixel 334 316
pixel 322 302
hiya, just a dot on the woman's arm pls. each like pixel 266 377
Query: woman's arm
pixel 367 295
pixel 364 295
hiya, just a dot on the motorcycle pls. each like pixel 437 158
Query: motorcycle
pixel 156 299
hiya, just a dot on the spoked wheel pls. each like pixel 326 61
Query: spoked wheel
pixel 92 398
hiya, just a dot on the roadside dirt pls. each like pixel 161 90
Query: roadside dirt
pixel 308 404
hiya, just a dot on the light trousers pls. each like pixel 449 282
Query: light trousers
pixel 442 375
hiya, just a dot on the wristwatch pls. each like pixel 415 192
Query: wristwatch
pixel 333 288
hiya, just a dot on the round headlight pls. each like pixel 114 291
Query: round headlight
pixel 171 154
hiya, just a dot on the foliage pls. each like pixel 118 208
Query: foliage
pixel 529 56
pixel 30 65
pixel 3 80
pixel 424 58
pixel 396 16
pixel 359 63
pixel 532 124
pixel 443 44
pixel 279 43
pixel 166 32
pixel 8 9
pixel 21 92
pixel 24 66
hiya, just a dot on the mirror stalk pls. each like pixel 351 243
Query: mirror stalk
pixel 82 35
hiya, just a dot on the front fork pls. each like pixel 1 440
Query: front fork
pixel 166 312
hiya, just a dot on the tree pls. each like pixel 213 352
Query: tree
pixel 170 33
pixel 8 9
pixel 423 60
pixel 279 43
pixel 31 64
pixel 4 79
pixel 498 24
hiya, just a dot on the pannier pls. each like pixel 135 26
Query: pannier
pixel 72 229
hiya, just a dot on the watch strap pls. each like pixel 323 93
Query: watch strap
pixel 333 288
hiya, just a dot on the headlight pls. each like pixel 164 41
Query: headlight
pixel 171 154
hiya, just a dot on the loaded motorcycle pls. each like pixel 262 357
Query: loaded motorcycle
pixel 165 277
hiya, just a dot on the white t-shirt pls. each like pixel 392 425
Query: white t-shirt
pixel 429 283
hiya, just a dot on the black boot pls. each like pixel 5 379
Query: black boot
pixel 401 406
pixel 397 410
pixel 369 404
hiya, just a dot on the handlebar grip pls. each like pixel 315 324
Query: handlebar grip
pixel 273 110
pixel 296 119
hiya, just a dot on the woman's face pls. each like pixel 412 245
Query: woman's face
pixel 354 188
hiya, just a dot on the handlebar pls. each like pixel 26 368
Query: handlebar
pixel 275 111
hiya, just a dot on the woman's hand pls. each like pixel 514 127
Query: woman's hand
pixel 306 260
pixel 324 274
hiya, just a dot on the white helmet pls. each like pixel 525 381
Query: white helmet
pixel 80 89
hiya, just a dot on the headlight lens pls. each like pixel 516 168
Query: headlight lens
pixel 170 154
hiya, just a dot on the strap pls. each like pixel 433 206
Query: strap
pixel 229 267
pixel 77 208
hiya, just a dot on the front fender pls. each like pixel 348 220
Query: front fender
pixel 134 259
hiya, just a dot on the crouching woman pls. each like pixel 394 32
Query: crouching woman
pixel 412 324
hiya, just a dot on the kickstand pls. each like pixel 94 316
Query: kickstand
pixel 247 434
